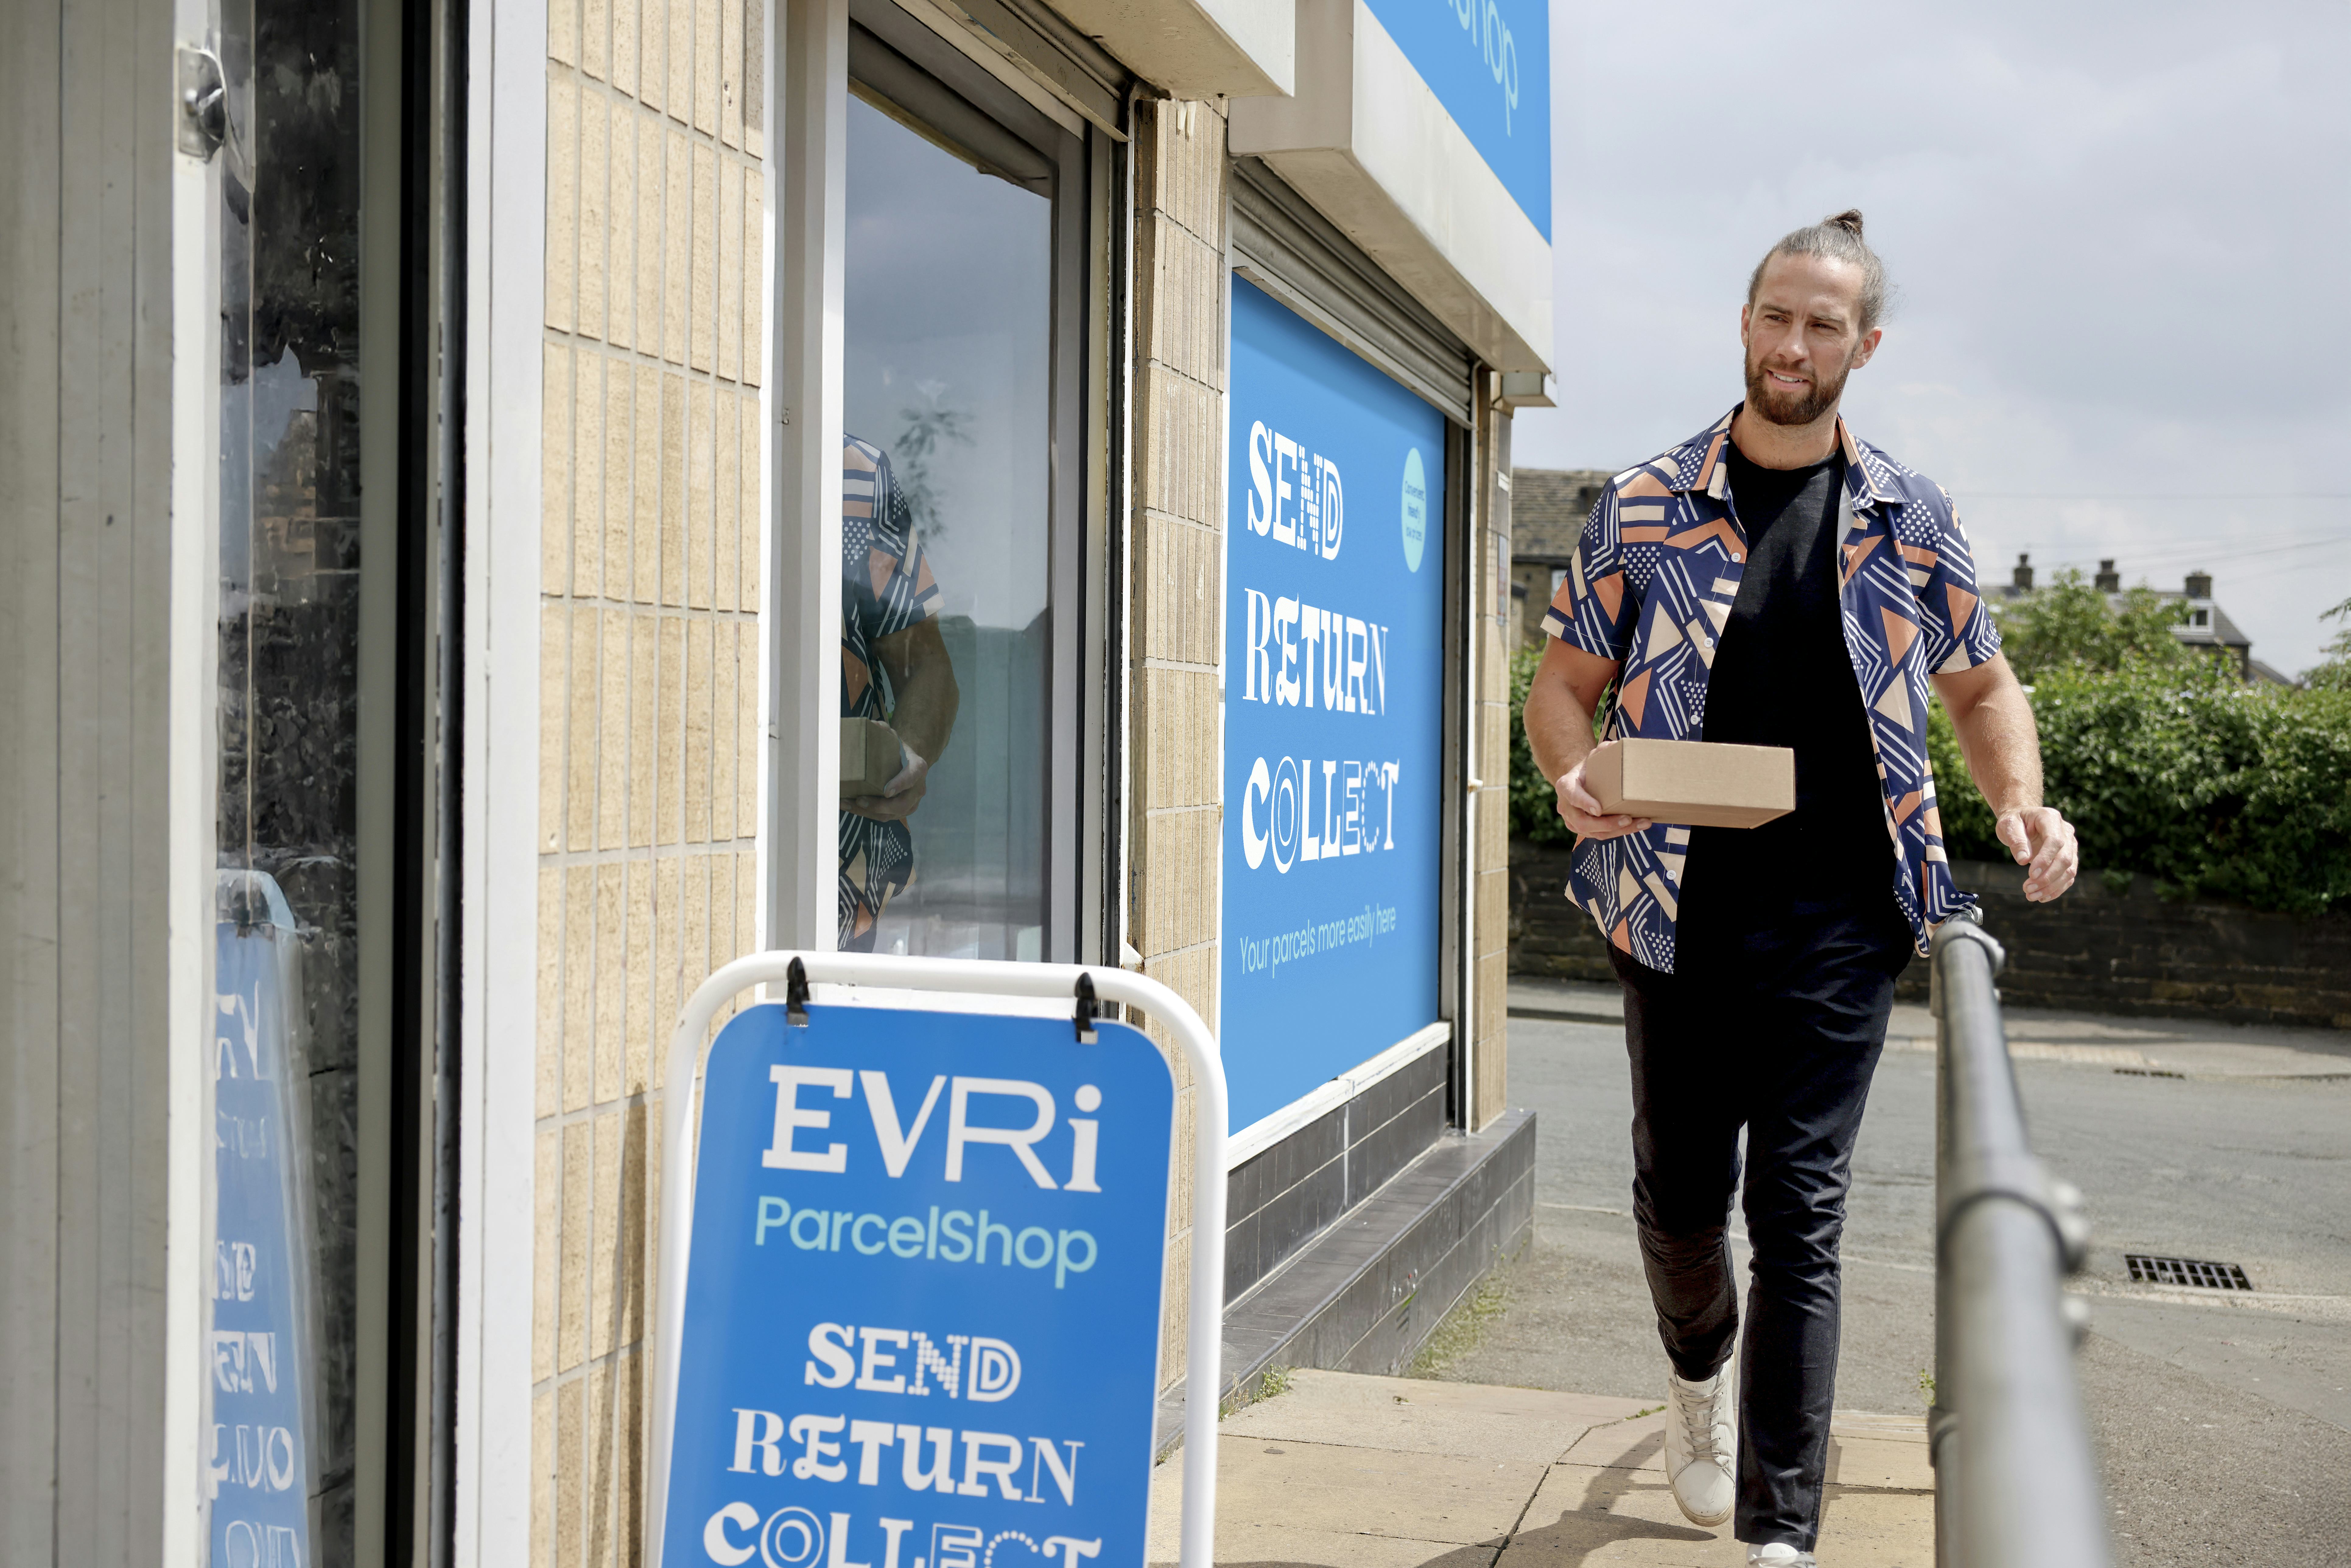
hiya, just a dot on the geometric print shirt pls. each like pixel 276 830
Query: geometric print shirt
pixel 1650 586
pixel 886 587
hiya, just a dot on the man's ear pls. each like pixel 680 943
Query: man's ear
pixel 1744 312
pixel 1868 346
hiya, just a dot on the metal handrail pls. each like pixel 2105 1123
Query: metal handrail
pixel 2016 1483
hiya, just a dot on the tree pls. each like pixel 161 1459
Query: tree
pixel 927 429
pixel 2332 673
pixel 2071 624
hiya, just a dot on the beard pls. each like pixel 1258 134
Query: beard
pixel 1779 406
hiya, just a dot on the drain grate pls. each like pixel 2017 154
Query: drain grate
pixel 2148 1270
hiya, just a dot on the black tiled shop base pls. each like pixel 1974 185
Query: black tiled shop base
pixel 1284 1198
pixel 1364 1295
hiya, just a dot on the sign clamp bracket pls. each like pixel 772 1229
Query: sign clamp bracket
pixel 795 995
pixel 978 981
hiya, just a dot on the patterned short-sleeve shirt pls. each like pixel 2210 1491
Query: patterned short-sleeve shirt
pixel 1651 586
pixel 886 587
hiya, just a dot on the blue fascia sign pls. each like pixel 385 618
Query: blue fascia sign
pixel 921 1308
pixel 1334 663
pixel 1488 63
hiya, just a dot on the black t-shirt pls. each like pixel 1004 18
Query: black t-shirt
pixel 1782 676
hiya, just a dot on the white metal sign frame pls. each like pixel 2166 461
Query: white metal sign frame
pixel 977 981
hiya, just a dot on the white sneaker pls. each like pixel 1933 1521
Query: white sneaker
pixel 1779 1554
pixel 1699 1446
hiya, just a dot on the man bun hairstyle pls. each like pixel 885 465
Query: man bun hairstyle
pixel 1836 237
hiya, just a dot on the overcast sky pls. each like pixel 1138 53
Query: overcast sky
pixel 2119 236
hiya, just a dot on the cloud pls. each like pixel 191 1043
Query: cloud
pixel 2117 239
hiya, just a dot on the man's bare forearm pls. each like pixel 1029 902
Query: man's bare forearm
pixel 1565 690
pixel 925 713
pixel 2002 747
pixel 1559 730
pixel 1998 739
pixel 922 680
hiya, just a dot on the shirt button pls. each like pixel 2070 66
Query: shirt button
pixel 1736 555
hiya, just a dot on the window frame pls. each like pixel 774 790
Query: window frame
pixel 1278 242
pixel 896 57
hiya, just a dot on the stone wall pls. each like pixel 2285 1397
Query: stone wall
pixel 1550 936
pixel 2112 945
pixel 1175 811
pixel 649 667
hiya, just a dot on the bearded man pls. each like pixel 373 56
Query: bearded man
pixel 1774 581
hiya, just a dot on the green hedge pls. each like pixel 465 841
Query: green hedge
pixel 2183 773
pixel 2176 773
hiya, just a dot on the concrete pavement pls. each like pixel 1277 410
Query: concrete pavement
pixel 2223 1420
pixel 1346 1471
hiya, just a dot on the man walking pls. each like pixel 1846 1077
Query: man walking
pixel 1774 582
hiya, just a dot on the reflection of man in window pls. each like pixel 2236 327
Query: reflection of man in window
pixel 894 666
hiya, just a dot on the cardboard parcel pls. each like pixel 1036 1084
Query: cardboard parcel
pixel 1696 783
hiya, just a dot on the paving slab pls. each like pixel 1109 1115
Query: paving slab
pixel 1341 1470
pixel 1864 1528
pixel 1286 1546
pixel 1880 1463
pixel 1634 1444
pixel 1877 1452
pixel 1418 1416
pixel 1374 1491
pixel 1586 1513
pixel 1595 1514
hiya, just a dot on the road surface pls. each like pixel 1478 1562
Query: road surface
pixel 2223 1423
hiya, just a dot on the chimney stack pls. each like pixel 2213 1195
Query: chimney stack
pixel 2022 576
pixel 2109 580
pixel 2200 585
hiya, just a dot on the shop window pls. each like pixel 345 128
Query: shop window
pixel 281 1250
pixel 959 489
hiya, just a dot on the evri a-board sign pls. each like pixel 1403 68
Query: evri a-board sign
pixel 1488 63
pixel 1333 709
pixel 922 1309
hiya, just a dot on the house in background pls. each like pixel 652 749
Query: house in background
pixel 1547 507
pixel 2206 625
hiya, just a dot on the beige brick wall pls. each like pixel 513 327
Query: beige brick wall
pixel 649 678
pixel 1177 587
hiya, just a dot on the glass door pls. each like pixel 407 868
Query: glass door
pixel 279 97
pixel 959 503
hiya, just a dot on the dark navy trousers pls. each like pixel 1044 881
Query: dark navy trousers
pixel 1774 1026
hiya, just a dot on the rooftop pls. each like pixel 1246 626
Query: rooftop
pixel 2207 624
pixel 1548 507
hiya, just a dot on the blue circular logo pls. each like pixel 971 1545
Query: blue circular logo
pixel 1415 509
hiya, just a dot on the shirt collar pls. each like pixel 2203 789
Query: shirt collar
pixel 1861 478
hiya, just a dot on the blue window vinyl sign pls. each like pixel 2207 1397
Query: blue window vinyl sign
pixel 257 1478
pixel 1488 63
pixel 1334 664
pixel 921 1308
